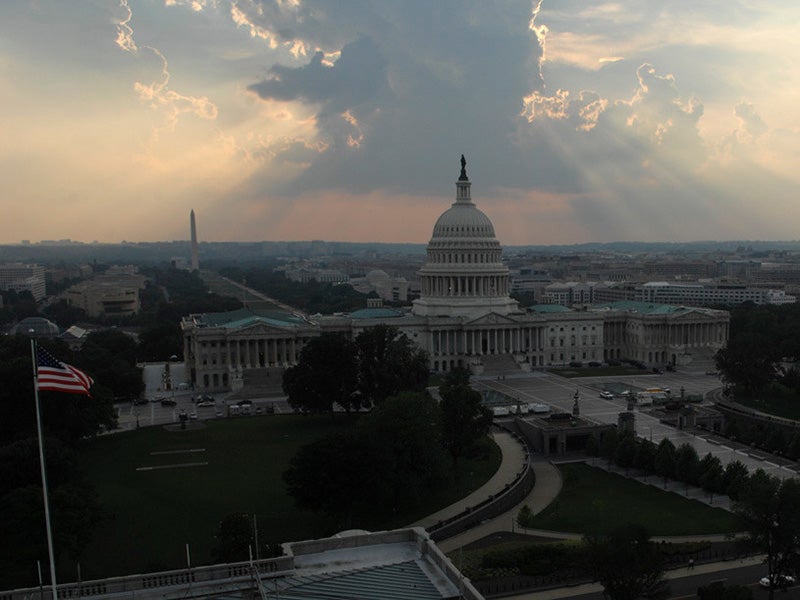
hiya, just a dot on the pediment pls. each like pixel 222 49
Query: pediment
pixel 260 329
pixel 492 319
pixel 689 314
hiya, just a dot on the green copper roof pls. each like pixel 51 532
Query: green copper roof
pixel 549 308
pixel 646 308
pixel 377 313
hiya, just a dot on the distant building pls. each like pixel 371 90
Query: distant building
pixel 391 289
pixel 464 317
pixel 709 294
pixel 37 327
pixel 114 294
pixel 570 293
pixel 23 278
pixel 195 250
pixel 306 273
pixel 529 280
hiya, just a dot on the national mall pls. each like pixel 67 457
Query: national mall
pixel 464 317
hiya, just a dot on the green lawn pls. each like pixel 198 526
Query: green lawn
pixel 786 406
pixel 594 500
pixel 157 512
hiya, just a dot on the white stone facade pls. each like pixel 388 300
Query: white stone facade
pixel 464 317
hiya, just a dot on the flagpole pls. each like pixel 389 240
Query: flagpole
pixel 44 476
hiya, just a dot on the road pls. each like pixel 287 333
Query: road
pixel 683 583
pixel 559 392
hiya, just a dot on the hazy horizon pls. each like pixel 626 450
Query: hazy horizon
pixel 582 121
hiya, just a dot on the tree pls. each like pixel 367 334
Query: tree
pixel 458 377
pixel 109 356
pixel 75 509
pixel 625 563
pixel 234 538
pixel 645 456
pixel 339 475
pixel 465 421
pixel 751 358
pixel 711 474
pixel 717 590
pixel 326 374
pixel 687 464
pixel 406 430
pixel 524 516
pixel 664 460
pixel 68 417
pixel 391 460
pixel 608 443
pixel 734 478
pixel 769 507
pixel 625 452
pixel 389 363
pixel 161 341
pixel 592 447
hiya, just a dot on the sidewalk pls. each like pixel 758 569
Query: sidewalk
pixel 547 487
pixel 589 588
pixel 512 463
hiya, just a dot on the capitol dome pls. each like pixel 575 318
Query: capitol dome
pixel 464 273
pixel 463 220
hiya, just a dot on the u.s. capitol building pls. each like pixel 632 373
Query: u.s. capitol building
pixel 463 317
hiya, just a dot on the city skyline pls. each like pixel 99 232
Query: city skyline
pixel 581 121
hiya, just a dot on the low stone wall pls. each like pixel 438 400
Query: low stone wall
pixel 513 493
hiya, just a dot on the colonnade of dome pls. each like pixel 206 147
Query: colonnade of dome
pixel 464 273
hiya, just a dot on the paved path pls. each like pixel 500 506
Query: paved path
pixel 547 487
pixel 589 588
pixel 513 462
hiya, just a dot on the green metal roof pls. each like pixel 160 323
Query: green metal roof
pixel 402 581
pixel 646 308
pixel 377 313
pixel 549 308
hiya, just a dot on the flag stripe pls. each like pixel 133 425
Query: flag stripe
pixel 53 375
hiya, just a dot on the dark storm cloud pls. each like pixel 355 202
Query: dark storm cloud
pixel 425 82
pixel 357 76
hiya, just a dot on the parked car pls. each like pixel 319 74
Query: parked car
pixel 779 581
pixel 606 394
pixel 168 402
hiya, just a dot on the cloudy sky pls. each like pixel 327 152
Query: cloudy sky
pixel 581 120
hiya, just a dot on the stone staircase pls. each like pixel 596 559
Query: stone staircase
pixel 701 361
pixel 260 383
pixel 499 364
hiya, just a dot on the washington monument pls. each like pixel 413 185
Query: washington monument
pixel 195 258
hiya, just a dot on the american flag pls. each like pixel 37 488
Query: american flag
pixel 52 374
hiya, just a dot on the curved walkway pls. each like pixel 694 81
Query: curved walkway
pixel 547 487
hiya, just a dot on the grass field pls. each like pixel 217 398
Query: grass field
pixel 594 500
pixel 157 512
pixel 787 407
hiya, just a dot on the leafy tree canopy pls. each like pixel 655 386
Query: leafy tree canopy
pixel 326 374
pixel 626 563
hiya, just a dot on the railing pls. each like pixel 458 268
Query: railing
pixel 513 493
pixel 203 578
